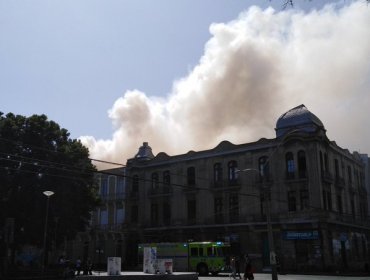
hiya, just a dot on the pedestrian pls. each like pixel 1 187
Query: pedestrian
pixel 78 266
pixel 248 273
pixel 89 267
pixel 233 268
pixel 237 266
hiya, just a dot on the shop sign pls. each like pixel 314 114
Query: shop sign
pixel 301 235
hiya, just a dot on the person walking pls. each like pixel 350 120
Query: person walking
pixel 248 274
pixel 233 268
pixel 78 266
pixel 237 266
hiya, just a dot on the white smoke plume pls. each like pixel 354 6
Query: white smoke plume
pixel 254 69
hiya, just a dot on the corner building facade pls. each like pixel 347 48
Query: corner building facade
pixel 318 199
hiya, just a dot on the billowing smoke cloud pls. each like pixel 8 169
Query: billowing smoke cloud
pixel 254 69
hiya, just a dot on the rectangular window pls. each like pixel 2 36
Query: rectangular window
pixel 262 205
pixel 304 199
pixel 330 206
pixel 154 214
pixel 135 184
pixel 292 204
pixel 194 252
pixel 217 174
pixel 134 213
pixel 191 176
pixel 120 215
pixel 353 208
pixel 234 208
pixel 324 200
pixel 192 210
pixel 336 166
pixel 120 187
pixel 166 213
pixel 339 204
pixel 103 186
pixel 349 173
pixel 103 216
pixel 219 218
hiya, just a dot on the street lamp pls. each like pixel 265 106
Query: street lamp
pixel 267 194
pixel 48 195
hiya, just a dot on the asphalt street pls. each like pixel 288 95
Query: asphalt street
pixel 263 276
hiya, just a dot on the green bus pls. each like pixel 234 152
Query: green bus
pixel 202 257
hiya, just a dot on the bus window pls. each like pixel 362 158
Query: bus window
pixel 209 251
pixel 194 252
pixel 201 252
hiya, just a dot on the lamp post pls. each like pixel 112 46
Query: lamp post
pixel 48 194
pixel 267 195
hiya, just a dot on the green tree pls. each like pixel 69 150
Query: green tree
pixel 37 155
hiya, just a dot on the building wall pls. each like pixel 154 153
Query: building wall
pixel 319 218
pixel 104 238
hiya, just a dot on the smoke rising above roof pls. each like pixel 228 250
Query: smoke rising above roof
pixel 253 69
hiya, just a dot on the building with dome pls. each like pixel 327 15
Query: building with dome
pixel 318 199
pixel 316 192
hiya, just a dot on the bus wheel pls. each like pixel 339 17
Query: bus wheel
pixel 202 269
pixel 214 273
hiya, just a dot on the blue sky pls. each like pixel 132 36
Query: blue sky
pixel 73 60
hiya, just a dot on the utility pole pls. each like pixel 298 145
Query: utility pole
pixel 267 193
pixel 47 194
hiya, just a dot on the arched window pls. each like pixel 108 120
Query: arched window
pixel 289 163
pixel 191 176
pixel 326 163
pixel 264 168
pixel 349 173
pixel 336 168
pixel 217 173
pixel 166 181
pixel 232 174
pixel 302 167
pixel 155 181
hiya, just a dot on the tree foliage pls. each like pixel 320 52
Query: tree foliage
pixel 37 155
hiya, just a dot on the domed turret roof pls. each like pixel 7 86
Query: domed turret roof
pixel 298 118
